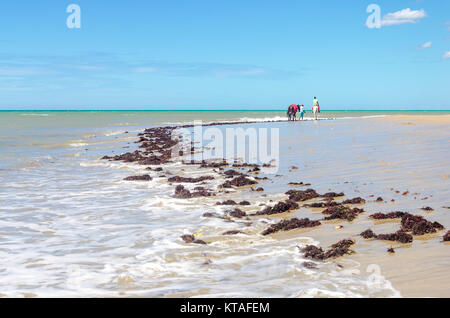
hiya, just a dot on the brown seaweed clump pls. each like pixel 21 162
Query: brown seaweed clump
pixel 326 204
pixel 126 157
pixel 280 207
pixel 211 215
pixel 232 173
pixel 238 182
pixel 399 236
pixel 287 225
pixel 299 195
pixel 337 250
pixel 391 215
pixel 178 179
pixel 414 224
pixel 418 225
pixel 299 184
pixel 309 265
pixel 342 212
pixel 212 164
pixel 245 165
pixel 331 195
pixel 182 193
pixel 446 237
pixel 145 177
pixel 188 238
pixel 314 252
pixel 368 234
pixel 357 200
pixel 233 232
pixel 237 213
pixel 156 144
pixel 227 202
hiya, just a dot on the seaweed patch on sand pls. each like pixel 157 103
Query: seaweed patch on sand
pixel 415 224
pixel 182 193
pixel 155 146
pixel 292 224
pixel 446 237
pixel 189 238
pixel 399 236
pixel 337 250
pixel 178 179
pixel 341 212
pixel 145 177
pixel 280 207
pixel 299 195
pixel 240 181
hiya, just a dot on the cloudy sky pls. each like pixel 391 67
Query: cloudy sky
pixel 225 54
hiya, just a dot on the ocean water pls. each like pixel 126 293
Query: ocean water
pixel 70 225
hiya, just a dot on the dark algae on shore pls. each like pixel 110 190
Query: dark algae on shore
pixel 155 147
pixel 415 224
pixel 399 236
pixel 410 225
pixel 240 181
pixel 339 249
pixel 446 237
pixel 280 207
pixel 342 212
pixel 182 193
pixel 298 195
pixel 189 238
pixel 178 179
pixel 287 225
pixel 144 177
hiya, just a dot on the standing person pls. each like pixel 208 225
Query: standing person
pixel 316 108
pixel 302 111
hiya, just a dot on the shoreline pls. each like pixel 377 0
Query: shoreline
pixel 425 112
pixel 138 226
pixel 431 118
pixel 331 204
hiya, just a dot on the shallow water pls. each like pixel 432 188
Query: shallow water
pixel 69 225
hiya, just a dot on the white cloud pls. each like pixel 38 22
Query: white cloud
pixel 405 16
pixel 238 72
pixel 426 45
pixel 446 55
pixel 208 69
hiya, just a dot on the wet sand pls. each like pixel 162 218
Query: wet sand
pixel 406 153
pixel 74 227
pixel 392 169
pixel 421 119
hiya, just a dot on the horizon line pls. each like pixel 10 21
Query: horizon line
pixel 213 110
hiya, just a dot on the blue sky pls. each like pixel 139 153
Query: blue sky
pixel 224 54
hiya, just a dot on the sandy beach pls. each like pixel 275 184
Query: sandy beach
pixel 74 225
pixel 443 119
